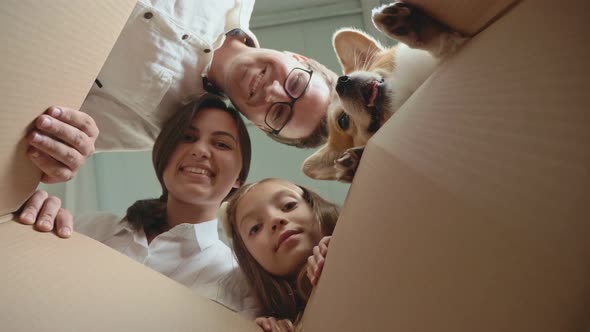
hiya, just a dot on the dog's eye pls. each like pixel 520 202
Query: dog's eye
pixel 343 121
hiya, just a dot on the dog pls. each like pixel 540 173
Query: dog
pixel 376 82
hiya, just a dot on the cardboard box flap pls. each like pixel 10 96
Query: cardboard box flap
pixel 469 211
pixel 81 285
pixel 466 16
pixel 51 53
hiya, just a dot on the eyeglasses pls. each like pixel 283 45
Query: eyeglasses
pixel 279 114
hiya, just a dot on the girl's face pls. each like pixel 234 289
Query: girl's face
pixel 206 164
pixel 278 227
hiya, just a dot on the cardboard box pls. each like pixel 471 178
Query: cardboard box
pixel 471 207
pixel 469 211
pixel 52 52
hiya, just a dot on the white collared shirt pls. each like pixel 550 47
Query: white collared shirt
pixel 157 65
pixel 191 254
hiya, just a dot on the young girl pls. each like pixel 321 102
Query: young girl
pixel 280 234
pixel 200 157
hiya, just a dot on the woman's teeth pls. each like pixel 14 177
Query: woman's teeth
pixel 197 170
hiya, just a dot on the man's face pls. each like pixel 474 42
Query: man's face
pixel 255 81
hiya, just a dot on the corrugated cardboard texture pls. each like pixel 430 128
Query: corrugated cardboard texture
pixel 51 53
pixel 470 210
pixel 48 284
pixel 466 16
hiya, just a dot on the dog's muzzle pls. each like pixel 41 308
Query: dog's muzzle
pixel 343 85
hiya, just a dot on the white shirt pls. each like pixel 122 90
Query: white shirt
pixel 157 64
pixel 191 254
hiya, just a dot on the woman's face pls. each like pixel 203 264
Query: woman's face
pixel 278 227
pixel 206 163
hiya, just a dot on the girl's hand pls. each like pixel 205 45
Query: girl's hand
pixel 315 263
pixel 271 324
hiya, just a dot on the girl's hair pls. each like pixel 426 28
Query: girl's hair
pixel 151 213
pixel 319 135
pixel 280 297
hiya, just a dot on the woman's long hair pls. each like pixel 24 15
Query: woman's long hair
pixel 151 213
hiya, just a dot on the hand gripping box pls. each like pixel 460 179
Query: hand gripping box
pixel 470 210
pixel 51 53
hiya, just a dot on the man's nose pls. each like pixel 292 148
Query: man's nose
pixel 274 93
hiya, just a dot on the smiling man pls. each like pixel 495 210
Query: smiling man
pixel 169 53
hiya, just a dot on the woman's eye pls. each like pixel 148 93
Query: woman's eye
pixel 289 206
pixel 254 229
pixel 343 121
pixel 188 138
pixel 222 145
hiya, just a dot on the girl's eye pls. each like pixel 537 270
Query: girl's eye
pixel 254 229
pixel 289 206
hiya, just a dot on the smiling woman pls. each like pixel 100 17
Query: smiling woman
pixel 200 157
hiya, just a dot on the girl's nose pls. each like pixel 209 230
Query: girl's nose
pixel 281 222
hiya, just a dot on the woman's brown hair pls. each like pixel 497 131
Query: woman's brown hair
pixel 151 213
pixel 279 297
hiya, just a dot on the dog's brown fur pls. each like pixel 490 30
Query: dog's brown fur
pixel 370 70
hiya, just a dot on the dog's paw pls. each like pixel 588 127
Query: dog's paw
pixel 410 25
pixel 347 164
pixel 394 19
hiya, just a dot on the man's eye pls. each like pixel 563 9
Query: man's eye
pixel 294 84
pixel 254 229
pixel 289 206
pixel 279 112
pixel 343 121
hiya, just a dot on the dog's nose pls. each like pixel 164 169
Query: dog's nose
pixel 343 85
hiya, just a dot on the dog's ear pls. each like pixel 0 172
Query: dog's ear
pixel 320 165
pixel 354 48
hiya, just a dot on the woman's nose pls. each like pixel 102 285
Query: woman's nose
pixel 200 150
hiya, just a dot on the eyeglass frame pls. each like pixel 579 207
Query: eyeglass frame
pixel 273 131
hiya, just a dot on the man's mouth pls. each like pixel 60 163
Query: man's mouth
pixel 255 83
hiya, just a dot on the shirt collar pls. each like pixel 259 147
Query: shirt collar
pixel 204 233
